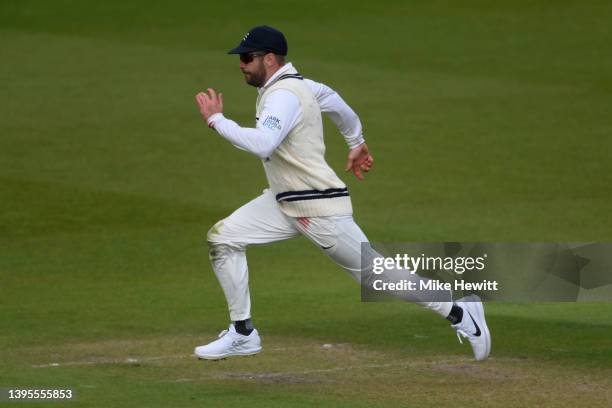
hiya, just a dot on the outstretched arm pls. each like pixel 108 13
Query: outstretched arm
pixel 278 116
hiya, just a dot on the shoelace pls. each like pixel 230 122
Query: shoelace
pixel 223 333
pixel 461 333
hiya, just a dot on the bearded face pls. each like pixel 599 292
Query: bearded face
pixel 254 71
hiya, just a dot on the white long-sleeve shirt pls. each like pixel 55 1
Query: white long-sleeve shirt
pixel 280 114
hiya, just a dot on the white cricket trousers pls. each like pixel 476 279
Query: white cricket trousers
pixel 261 221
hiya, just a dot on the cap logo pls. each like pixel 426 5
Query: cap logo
pixel 246 36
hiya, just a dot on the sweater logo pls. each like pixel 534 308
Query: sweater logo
pixel 272 122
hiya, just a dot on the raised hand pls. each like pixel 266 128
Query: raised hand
pixel 209 103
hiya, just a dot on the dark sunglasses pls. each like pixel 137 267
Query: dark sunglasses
pixel 247 58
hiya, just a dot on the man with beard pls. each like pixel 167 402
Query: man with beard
pixel 305 196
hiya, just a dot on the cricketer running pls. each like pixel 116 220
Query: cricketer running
pixel 304 195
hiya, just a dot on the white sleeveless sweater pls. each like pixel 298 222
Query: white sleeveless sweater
pixel 303 183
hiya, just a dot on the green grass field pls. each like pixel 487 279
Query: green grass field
pixel 489 121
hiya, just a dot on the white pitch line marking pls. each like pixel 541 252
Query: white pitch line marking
pixel 128 360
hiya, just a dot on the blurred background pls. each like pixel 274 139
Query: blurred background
pixel 487 121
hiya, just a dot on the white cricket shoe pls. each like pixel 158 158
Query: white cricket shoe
pixel 473 326
pixel 230 343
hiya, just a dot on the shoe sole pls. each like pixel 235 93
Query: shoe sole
pixel 222 356
pixel 478 309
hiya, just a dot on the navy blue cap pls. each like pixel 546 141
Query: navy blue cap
pixel 262 38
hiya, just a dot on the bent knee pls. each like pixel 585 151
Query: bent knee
pixel 213 236
pixel 218 237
